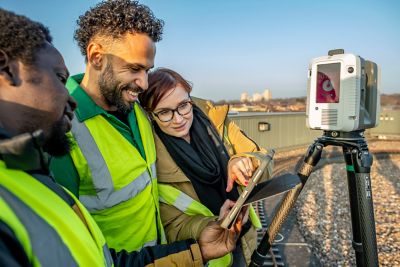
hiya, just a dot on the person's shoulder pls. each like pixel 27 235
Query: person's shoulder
pixel 207 105
pixel 202 103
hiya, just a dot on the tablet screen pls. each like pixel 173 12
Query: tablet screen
pixel 274 186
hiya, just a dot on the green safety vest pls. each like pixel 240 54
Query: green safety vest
pixel 174 197
pixel 118 186
pixel 49 230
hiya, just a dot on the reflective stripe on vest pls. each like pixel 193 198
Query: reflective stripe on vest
pixel 174 197
pixel 48 229
pixel 93 227
pixel 40 233
pixel 117 185
pixel 106 195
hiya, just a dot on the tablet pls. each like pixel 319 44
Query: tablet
pixel 272 187
pixel 233 213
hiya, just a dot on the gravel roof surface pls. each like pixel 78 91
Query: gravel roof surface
pixel 324 217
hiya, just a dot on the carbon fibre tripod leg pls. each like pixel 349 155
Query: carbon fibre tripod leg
pixel 312 157
pixel 358 165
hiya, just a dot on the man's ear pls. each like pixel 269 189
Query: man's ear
pixel 95 55
pixel 7 71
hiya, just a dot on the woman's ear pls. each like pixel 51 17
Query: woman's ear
pixel 8 72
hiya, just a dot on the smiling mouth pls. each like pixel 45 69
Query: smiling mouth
pixel 179 127
pixel 133 93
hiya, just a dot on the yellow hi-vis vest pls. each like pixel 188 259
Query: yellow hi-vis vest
pixel 50 232
pixel 174 197
pixel 118 186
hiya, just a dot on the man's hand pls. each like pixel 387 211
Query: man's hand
pixel 239 170
pixel 227 206
pixel 216 241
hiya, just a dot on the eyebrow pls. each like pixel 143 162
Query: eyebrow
pixel 163 109
pixel 137 65
pixel 62 70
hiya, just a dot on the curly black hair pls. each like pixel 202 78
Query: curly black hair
pixel 20 37
pixel 114 18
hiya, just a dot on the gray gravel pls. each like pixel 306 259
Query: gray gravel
pixel 324 218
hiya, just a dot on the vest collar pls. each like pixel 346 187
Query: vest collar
pixel 23 152
pixel 87 108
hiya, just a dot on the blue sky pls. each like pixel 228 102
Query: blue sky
pixel 228 47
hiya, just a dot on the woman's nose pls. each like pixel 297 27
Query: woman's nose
pixel 177 117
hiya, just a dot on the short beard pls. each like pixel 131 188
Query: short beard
pixel 111 90
pixel 58 143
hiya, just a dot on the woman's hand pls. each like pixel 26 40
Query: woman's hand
pixel 240 170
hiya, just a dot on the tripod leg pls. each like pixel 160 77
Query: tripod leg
pixel 362 212
pixel 351 181
pixel 313 155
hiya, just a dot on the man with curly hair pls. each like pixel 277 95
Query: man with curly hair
pixel 42 223
pixel 112 165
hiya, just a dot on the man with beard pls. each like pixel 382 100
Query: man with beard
pixel 41 223
pixel 111 167
pixel 36 213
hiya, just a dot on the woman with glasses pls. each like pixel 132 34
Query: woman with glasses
pixel 200 162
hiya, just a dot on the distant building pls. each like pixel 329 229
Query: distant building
pixel 244 97
pixel 267 95
pixel 257 97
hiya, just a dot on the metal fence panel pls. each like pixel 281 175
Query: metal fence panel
pixel 288 129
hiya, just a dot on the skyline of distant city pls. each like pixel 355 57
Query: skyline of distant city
pixel 226 48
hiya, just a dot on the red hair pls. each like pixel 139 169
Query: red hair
pixel 161 81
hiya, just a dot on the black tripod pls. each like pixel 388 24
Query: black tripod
pixel 358 164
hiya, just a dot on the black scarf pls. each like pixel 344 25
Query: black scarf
pixel 204 161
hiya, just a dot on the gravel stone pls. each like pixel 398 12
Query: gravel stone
pixel 323 211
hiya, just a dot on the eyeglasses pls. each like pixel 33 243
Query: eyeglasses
pixel 167 115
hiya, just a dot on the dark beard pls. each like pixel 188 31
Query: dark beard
pixel 58 143
pixel 111 89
